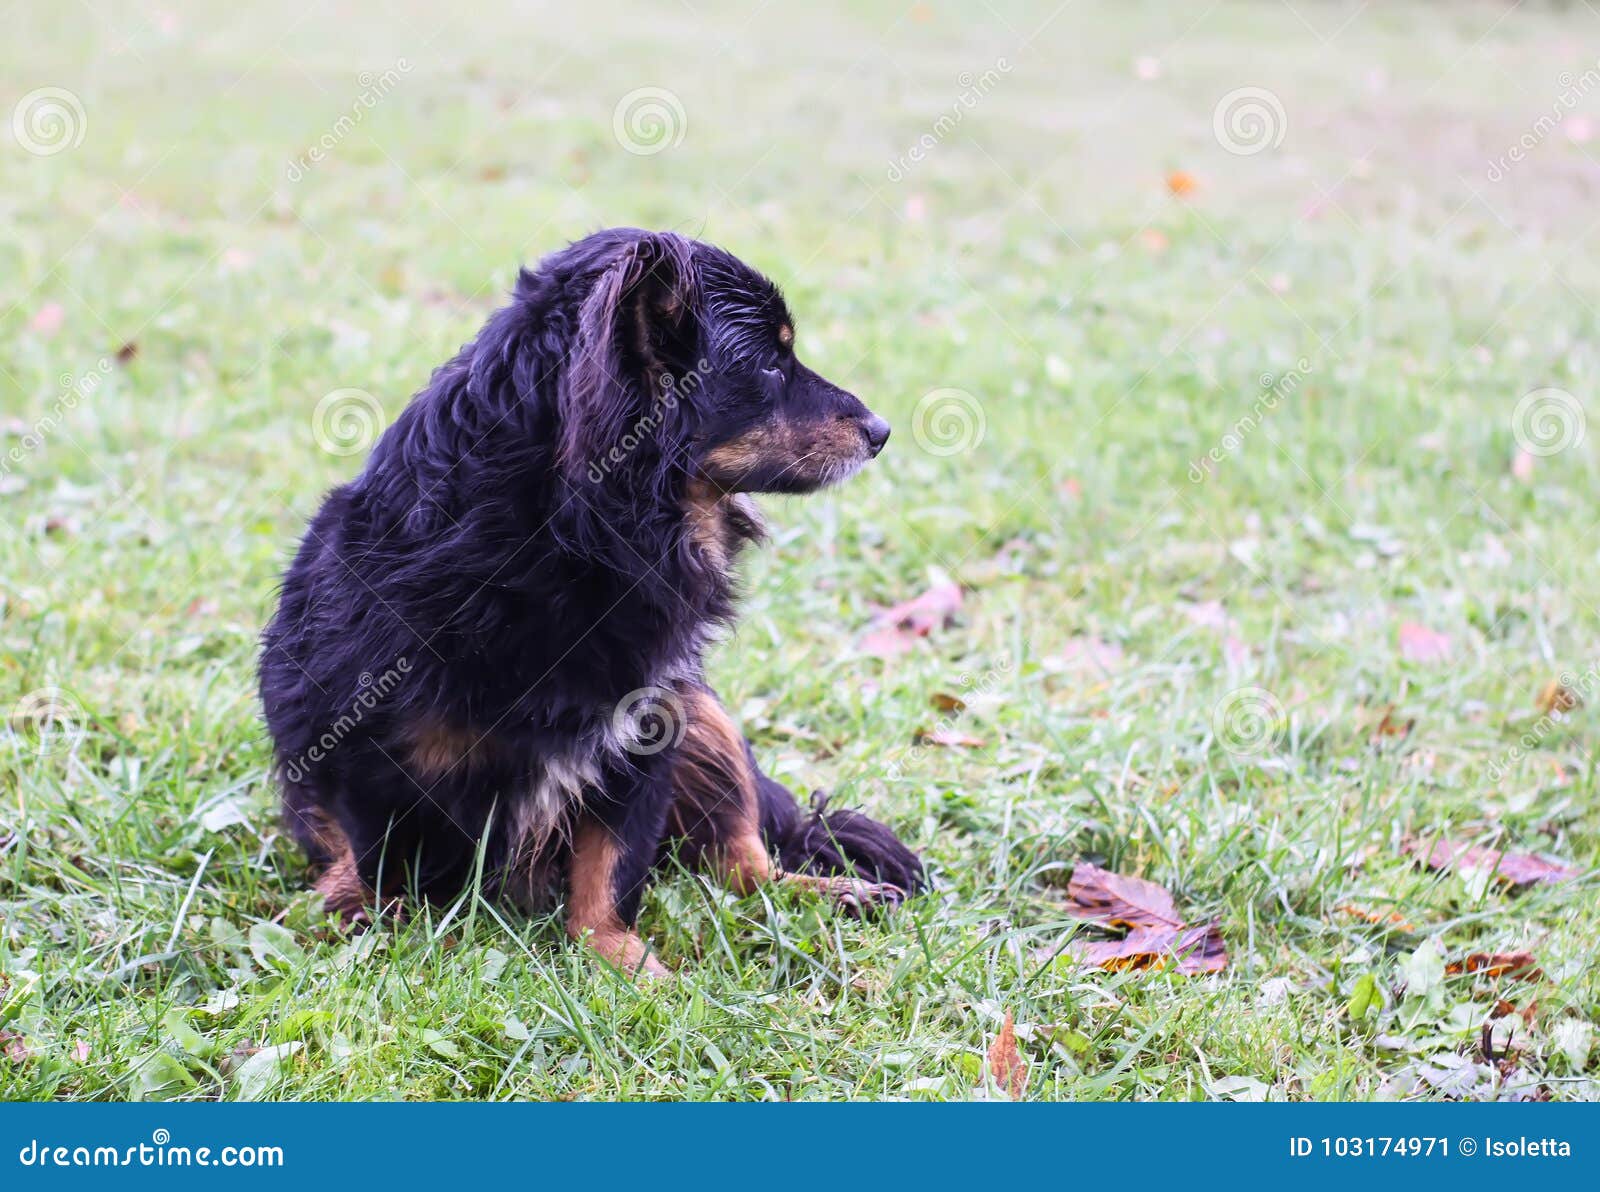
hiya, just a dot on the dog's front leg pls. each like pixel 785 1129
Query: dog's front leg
pixel 613 848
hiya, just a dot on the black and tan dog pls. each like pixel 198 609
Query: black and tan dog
pixel 486 660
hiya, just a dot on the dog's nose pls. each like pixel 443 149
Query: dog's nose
pixel 877 431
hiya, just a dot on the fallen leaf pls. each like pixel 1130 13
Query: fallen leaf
pixel 1117 900
pixel 1005 1061
pixel 1208 614
pixel 1090 654
pixel 48 318
pixel 1363 997
pixel 896 629
pixel 1157 936
pixel 1390 726
pixel 1382 918
pixel 1182 183
pixel 1557 696
pixel 128 352
pixel 888 642
pixel 1514 869
pixel 950 739
pixel 1520 965
pixel 946 702
pixel 263 1069
pixel 1418 643
pixel 1189 951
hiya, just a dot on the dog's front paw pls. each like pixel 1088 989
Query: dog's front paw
pixel 860 899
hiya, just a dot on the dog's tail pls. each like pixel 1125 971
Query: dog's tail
pixel 834 841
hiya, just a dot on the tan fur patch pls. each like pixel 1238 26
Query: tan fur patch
pixel 434 748
pixel 765 444
pixel 716 803
pixel 719 523
pixel 592 905
pixel 343 892
pixel 707 521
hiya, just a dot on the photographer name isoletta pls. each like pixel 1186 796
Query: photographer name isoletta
pixel 1423 1147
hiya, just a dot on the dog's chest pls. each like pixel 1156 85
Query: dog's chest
pixel 637 725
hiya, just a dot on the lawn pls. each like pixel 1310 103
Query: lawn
pixel 1268 562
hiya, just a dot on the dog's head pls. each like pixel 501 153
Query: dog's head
pixel 687 360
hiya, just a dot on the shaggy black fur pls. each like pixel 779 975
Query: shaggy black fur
pixel 546 532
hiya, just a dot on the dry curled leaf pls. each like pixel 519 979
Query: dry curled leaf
pixel 1520 965
pixel 1514 869
pixel 1557 696
pixel 1005 1061
pixel 950 739
pixel 1391 727
pixel 1388 919
pixel 1188 950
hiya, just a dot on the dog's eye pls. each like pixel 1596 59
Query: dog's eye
pixel 786 336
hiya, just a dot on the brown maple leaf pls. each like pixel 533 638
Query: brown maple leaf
pixel 1118 900
pixel 1189 950
pixel 1157 938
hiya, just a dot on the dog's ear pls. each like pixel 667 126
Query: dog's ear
pixel 636 339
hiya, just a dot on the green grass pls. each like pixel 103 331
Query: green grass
pixel 1111 334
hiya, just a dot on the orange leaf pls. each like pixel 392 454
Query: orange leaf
pixel 1381 918
pixel 1557 696
pixel 1514 869
pixel 950 739
pixel 1182 183
pixel 1005 1061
